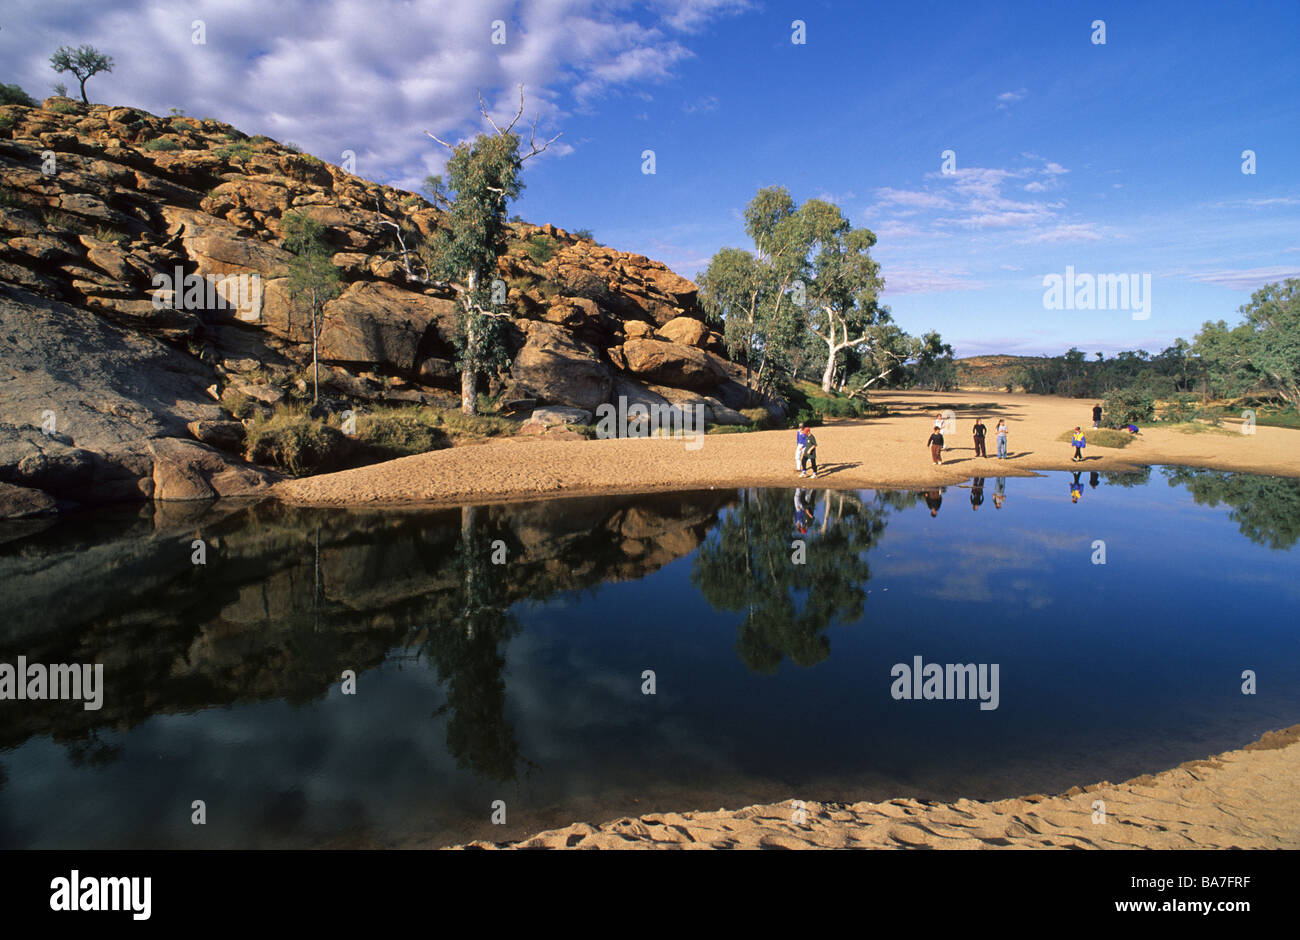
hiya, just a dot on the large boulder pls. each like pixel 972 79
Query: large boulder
pixel 94 412
pixel 556 367
pixel 17 502
pixel 686 331
pixel 379 323
pixel 558 415
pixel 671 364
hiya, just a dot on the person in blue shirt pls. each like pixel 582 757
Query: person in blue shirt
pixel 1078 442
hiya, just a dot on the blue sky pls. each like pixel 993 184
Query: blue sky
pixel 1122 158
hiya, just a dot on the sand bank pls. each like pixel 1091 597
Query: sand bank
pixel 884 452
pixel 1240 799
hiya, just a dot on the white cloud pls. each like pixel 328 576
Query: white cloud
pixel 905 280
pixel 1008 98
pixel 701 105
pixel 1243 279
pixel 1067 232
pixel 365 75
pixel 912 199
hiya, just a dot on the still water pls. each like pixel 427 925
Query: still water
pixel 503 653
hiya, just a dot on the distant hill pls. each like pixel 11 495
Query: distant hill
pixel 990 371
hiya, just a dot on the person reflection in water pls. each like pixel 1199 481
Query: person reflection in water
pixel 803 516
pixel 934 499
pixel 1094 479
pixel 1076 488
pixel 999 492
pixel 976 493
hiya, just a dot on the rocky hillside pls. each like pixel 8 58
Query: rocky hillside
pixel 112 387
pixel 990 371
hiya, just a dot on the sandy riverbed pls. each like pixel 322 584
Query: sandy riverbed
pixel 1240 799
pixel 885 452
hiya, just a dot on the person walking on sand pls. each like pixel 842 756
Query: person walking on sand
pixel 936 446
pixel 1096 416
pixel 1001 433
pixel 1078 442
pixel 979 431
pixel 809 452
pixel 800 439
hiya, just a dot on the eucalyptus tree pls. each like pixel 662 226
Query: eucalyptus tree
pixel 313 278
pixel 482 177
pixel 842 299
pixel 754 292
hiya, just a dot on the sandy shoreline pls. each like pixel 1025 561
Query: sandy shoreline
pixel 1244 799
pixel 884 452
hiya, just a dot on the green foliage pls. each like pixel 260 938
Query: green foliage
pixel 293 441
pixel 234 151
pixel 13 94
pixel 313 277
pixel 1263 351
pixel 760 418
pixel 583 283
pixel 482 179
pixel 1266 509
pixel 836 406
pixel 1100 437
pixel 389 433
pixel 161 143
pixel 290 439
pixel 749 293
pixel 1285 418
pixel 291 147
pixel 783 610
pixel 7 121
pixel 1127 478
pixel 62 107
pixel 83 62
pixel 1183 408
pixel 113 237
pixel 933 366
pixel 238 404
pixel 1123 406
pixel 58 220
pixel 461 426
pixel 541 248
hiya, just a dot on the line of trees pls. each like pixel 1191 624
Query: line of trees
pixel 1259 356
